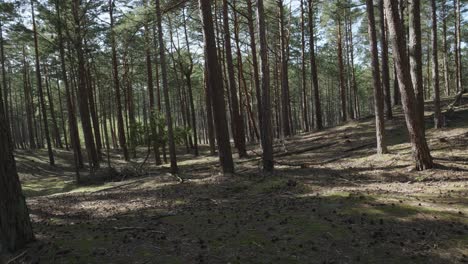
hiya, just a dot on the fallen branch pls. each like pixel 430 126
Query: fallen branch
pixel 130 228
pixel 17 257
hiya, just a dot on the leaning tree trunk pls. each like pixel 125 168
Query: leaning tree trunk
pixel 216 87
pixel 420 149
pixel 15 225
pixel 378 94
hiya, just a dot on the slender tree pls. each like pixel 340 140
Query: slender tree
pixel 313 69
pixel 435 68
pixel 267 133
pixel 216 87
pixel 378 93
pixel 165 87
pixel 237 122
pixel 415 55
pixel 115 73
pixel 385 65
pixel 420 149
pixel 40 90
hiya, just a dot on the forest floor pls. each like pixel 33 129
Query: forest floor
pixel 331 200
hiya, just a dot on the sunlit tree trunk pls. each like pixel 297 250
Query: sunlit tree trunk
pixel 378 93
pixel 420 149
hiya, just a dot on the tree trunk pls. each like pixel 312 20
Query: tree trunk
pixel 267 137
pixel 385 67
pixel 458 50
pixel 120 121
pixel 15 225
pixel 341 73
pixel 415 55
pixel 435 68
pixel 421 153
pixel 82 90
pixel 162 58
pixel 72 123
pixel 154 138
pixel 256 74
pixel 40 90
pixel 216 88
pixel 444 41
pixel 285 99
pixel 313 69
pixel 237 122
pixel 378 94
pixel 305 102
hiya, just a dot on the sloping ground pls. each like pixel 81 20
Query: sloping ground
pixel 331 200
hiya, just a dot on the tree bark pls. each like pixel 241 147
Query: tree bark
pixel 15 225
pixel 420 149
pixel 378 94
pixel 120 121
pixel 40 90
pixel 385 67
pixel 216 88
pixel 415 55
pixel 313 69
pixel 267 133
pixel 435 68
pixel 165 86
pixel 237 122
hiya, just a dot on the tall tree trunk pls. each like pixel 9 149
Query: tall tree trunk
pixel 15 225
pixel 216 88
pixel 385 65
pixel 285 99
pixel 120 121
pixel 72 123
pixel 445 46
pixel 209 111
pixel 256 74
pixel 188 79
pixel 165 86
pixel 378 93
pixel 415 55
pixel 82 90
pixel 341 73
pixel 305 102
pixel 40 90
pixel 56 134
pixel 5 103
pixel 237 122
pixel 435 68
pixel 28 103
pixel 153 114
pixel 313 69
pixel 458 51
pixel 267 133
pixel 421 153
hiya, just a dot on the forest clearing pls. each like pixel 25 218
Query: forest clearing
pixel 228 131
pixel 350 206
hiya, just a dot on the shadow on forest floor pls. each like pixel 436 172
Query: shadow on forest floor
pixel 331 200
